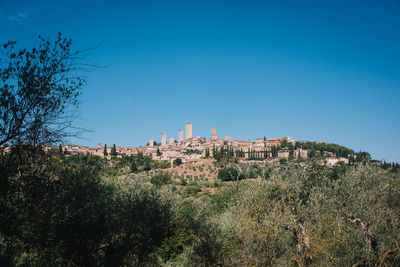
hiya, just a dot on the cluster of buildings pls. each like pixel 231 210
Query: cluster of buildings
pixel 190 149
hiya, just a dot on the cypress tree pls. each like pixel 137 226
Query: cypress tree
pixel 113 151
pixel 133 166
pixel 105 150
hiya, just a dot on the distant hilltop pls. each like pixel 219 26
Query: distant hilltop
pixel 190 149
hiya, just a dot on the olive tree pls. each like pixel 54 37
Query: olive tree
pixel 37 87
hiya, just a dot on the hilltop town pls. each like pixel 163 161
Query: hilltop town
pixel 191 149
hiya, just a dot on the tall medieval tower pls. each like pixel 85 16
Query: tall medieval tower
pixel 188 130
pixel 163 138
pixel 180 135
pixel 214 134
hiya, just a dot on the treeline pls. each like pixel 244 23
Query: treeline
pixel 315 150
pixel 135 163
pixel 313 147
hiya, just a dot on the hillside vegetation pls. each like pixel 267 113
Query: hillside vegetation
pixel 72 210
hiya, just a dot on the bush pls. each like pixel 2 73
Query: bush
pixel 192 190
pixel 161 179
pixel 177 162
pixel 218 183
pixel 230 174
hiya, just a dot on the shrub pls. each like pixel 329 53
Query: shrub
pixel 177 162
pixel 192 190
pixel 161 179
pixel 230 174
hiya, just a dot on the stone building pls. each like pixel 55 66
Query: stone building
pixel 188 130
pixel 228 138
pixel 163 138
pixel 214 134
pixel 180 136
pixel 151 142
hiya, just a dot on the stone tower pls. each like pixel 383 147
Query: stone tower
pixel 151 142
pixel 188 130
pixel 180 135
pixel 163 138
pixel 214 134
pixel 171 141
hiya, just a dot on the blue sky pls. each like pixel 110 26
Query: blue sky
pixel 313 70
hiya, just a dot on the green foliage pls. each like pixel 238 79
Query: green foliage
pixel 67 215
pixel 225 153
pixel 192 189
pixel 114 151
pixel 37 87
pixel 159 164
pixel 146 166
pixel 312 153
pixel 363 157
pixel 64 214
pixel 133 166
pixel 207 153
pixel 177 162
pixel 192 151
pixel 339 151
pixel 161 179
pixel 230 174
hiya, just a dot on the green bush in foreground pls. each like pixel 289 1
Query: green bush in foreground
pixel 66 215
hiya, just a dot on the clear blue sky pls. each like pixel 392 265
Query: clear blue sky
pixel 314 70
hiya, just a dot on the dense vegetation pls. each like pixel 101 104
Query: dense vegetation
pixel 65 210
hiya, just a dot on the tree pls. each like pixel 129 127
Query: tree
pixel 230 174
pixel 159 154
pixel 363 157
pixel 114 151
pixel 147 165
pixel 291 152
pixel 161 179
pixel 37 88
pixel 177 162
pixel 105 150
pixel 133 166
pixel 311 153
